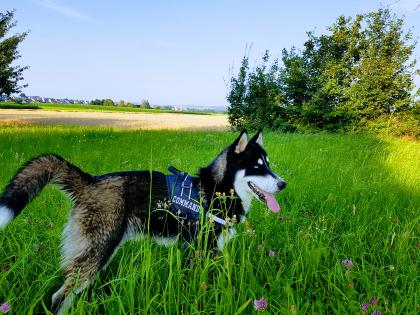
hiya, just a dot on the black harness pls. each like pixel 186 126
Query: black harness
pixel 184 194
pixel 186 197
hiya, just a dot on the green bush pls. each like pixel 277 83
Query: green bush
pixel 359 76
pixel 96 102
pixel 108 102
pixel 399 124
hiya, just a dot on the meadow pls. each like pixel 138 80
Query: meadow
pixel 347 234
pixel 95 108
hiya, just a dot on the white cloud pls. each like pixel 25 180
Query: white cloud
pixel 63 10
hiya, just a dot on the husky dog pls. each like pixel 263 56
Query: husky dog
pixel 109 208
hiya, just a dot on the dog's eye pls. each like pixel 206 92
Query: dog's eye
pixel 256 166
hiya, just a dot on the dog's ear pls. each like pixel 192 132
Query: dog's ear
pixel 241 142
pixel 258 138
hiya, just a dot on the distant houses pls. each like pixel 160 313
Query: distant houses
pixel 23 98
pixel 4 98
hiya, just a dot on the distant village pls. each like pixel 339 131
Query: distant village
pixel 25 99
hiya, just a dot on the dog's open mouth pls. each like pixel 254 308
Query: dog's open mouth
pixel 265 197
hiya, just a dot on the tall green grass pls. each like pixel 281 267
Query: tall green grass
pixel 348 197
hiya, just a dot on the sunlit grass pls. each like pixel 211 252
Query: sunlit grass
pixel 348 197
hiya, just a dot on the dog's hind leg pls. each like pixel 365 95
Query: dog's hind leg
pixel 62 299
pixel 85 253
pixel 79 275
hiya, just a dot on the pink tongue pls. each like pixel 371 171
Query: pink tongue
pixel 272 203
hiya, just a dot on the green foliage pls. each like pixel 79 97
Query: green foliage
pixel 399 124
pixel 145 104
pixel 16 105
pixel 96 102
pixel 383 78
pixel 125 104
pixel 237 113
pixel 10 75
pixel 102 102
pixel 348 197
pixel 108 102
pixel 255 99
pixel 346 79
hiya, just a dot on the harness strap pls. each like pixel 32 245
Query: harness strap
pixel 175 171
pixel 218 220
pixel 186 188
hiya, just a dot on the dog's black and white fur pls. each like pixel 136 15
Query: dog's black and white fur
pixel 108 209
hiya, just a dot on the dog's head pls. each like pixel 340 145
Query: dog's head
pixel 247 163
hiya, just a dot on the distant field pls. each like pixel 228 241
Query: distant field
pixel 126 120
pixel 80 107
pixel 115 109
pixel 349 197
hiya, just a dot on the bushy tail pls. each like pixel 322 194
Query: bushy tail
pixel 33 177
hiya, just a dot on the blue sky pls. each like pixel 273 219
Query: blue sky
pixel 169 52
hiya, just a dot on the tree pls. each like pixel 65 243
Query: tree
pixel 383 77
pixel 354 74
pixel 145 104
pixel 96 102
pixel 108 102
pixel 314 81
pixel 236 97
pixel 255 98
pixel 10 75
pixel 358 72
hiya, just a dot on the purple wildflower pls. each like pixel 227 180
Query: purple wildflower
pixel 365 307
pixel 260 305
pixel 376 313
pixel 5 308
pixel 271 253
pixel 347 263
pixel 374 301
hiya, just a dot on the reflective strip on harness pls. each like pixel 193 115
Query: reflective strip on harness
pixel 218 220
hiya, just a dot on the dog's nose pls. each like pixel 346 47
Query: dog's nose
pixel 281 185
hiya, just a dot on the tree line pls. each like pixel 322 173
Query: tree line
pixel 109 102
pixel 359 75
